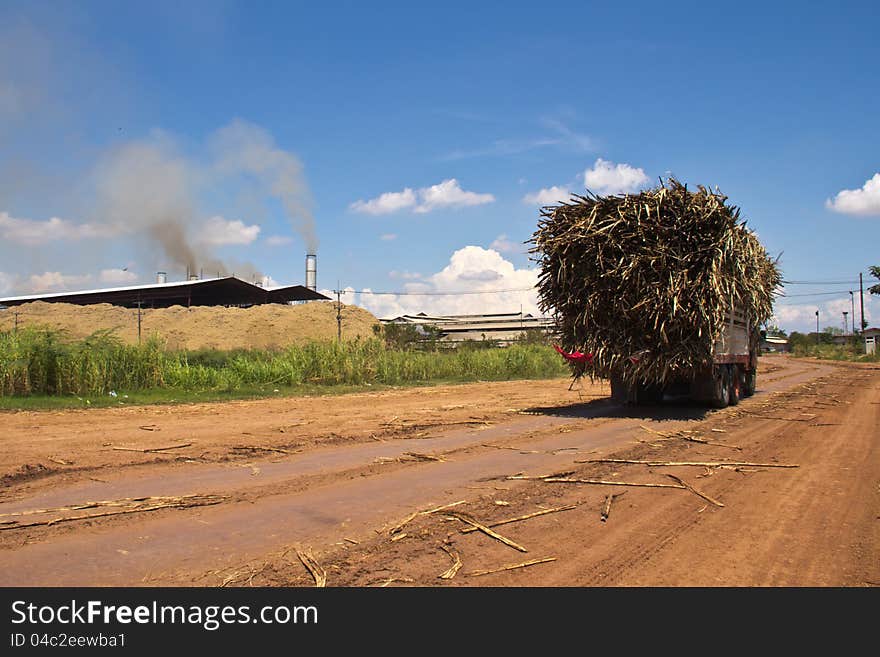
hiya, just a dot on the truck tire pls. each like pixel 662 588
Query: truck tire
pixel 649 394
pixel 620 392
pixel 736 385
pixel 634 394
pixel 720 387
pixel 751 382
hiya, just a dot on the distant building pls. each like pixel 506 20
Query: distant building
pixel 872 337
pixel 842 339
pixel 775 344
pixel 501 327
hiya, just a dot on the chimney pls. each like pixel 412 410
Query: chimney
pixel 161 277
pixel 312 271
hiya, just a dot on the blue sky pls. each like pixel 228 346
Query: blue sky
pixel 241 120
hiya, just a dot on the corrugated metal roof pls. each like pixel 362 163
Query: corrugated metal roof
pixel 51 295
pixel 227 290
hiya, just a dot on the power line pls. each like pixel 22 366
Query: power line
pixel 815 294
pixel 438 294
pixel 820 282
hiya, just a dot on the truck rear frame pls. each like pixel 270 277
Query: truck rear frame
pixel 731 376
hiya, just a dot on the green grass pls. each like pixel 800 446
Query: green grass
pixel 39 368
pixel 835 352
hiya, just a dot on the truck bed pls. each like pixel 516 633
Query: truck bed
pixel 733 344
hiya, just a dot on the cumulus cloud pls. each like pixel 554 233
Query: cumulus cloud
pixel 802 316
pixel 7 282
pixel 278 240
pixel 610 178
pixel 547 196
pixel 479 280
pixel 218 231
pixel 863 202
pixel 117 276
pixel 386 203
pixel 32 232
pixel 446 194
pixel 404 275
pixel 388 237
pixel 449 194
pixel 503 245
pixel 53 281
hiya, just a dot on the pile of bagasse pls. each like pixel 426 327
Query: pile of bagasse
pixel 643 281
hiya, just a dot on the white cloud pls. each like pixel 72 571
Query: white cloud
pixel 32 232
pixel 7 282
pixel 386 203
pixel 864 201
pixel 218 231
pixel 278 240
pixel 610 178
pixel 547 196
pixel 802 316
pixel 503 245
pixel 446 194
pixel 404 275
pixel 117 276
pixel 471 269
pixel 56 281
pixel 449 194
pixel 387 237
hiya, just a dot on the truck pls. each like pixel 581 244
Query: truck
pixel 731 376
pixel 659 292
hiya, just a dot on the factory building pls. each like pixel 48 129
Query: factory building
pixel 501 327
pixel 224 291
pixel 195 291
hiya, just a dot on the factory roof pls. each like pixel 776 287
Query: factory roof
pixel 225 291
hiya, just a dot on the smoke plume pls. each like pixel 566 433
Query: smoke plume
pixel 244 148
pixel 147 189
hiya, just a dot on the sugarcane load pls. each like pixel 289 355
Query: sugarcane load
pixel 659 291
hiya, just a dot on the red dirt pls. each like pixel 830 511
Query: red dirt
pixel 346 469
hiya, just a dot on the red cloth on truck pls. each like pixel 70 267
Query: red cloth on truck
pixel 575 356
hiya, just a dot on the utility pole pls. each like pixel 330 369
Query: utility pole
pixel 16 321
pixel 139 302
pixel 338 313
pixel 845 313
pixel 862 303
pixel 852 305
pixel 817 328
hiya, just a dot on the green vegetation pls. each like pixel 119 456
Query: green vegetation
pixel 875 272
pixel 41 363
pixel 804 346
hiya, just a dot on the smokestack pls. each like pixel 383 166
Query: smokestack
pixel 312 271
pixel 161 277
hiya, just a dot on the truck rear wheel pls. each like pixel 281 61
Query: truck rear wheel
pixel 751 382
pixel 721 387
pixel 635 393
pixel 736 385
pixel 620 392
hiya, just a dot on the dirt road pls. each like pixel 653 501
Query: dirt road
pixel 225 494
